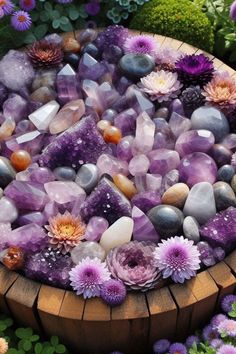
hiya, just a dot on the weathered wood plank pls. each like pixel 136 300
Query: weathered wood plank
pixel 200 51
pixel 21 299
pixel 7 278
pixel 231 261
pixel 187 48
pixel 160 39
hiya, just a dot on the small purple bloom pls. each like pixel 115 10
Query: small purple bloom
pixel 161 346
pixel 113 292
pixel 210 333
pixel 227 303
pixel 191 340
pixel 88 276
pixel 21 20
pixel 7 6
pixel 141 44
pixel 226 349
pixel 92 8
pixel 232 12
pixel 216 343
pixel 215 321
pixel 227 327
pixel 27 5
pixel 177 348
pixel 1 13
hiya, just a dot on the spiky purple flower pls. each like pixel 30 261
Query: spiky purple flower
pixel 113 292
pixel 21 20
pixel 216 343
pixel 6 6
pixel 191 340
pixel 215 321
pixel 209 333
pixel 27 5
pixel 177 348
pixel 161 346
pixel 112 35
pixel 226 349
pixel 177 258
pixel 88 276
pixel 141 44
pixel 232 12
pixel 227 327
pixel 1 13
pixel 194 69
pixel 92 8
pixel 227 303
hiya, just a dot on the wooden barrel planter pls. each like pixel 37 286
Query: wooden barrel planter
pixel 91 327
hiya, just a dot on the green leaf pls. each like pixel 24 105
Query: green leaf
pixel 38 348
pixel 234 306
pixel 12 351
pixel 34 338
pixel 9 322
pixel 56 23
pixel 29 38
pixel 54 340
pixel 73 14
pixel 44 16
pixel 34 16
pixel 49 350
pixel 24 333
pixel 48 6
pixel 27 345
pixel 64 20
pixel 66 28
pixel 3 326
pixel 55 14
pixel 60 348
pixel 230 36
pixel 40 31
pixel 232 313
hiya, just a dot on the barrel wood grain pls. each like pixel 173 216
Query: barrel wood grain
pixel 7 279
pixel 231 261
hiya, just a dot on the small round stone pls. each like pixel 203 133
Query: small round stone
pixel 124 148
pixel 191 229
pixel 8 210
pixel 176 195
pixel 95 228
pixel 87 249
pixel 109 114
pixel 42 175
pixel 72 59
pixel 162 113
pixel 7 172
pixel 139 165
pixel 112 135
pixel 87 177
pixel 20 160
pixel 102 125
pixel 91 49
pixel 136 66
pixel 166 219
pixel 64 174
pixel 224 195
pixel 125 185
pixel 226 173
pixel 71 45
pixel 220 154
pixel 233 183
pixel 86 36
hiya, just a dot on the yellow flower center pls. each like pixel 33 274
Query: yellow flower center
pixel 66 229
pixel 160 81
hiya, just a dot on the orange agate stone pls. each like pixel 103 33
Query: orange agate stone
pixel 20 160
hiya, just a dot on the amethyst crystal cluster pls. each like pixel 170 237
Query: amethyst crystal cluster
pixel 117 166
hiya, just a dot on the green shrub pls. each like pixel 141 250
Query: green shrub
pixel 179 19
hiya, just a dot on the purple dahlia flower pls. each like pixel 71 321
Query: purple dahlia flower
pixel 88 276
pixel 226 349
pixel 209 333
pixel 141 44
pixel 227 303
pixel 27 5
pixel 6 6
pixel 227 327
pixel 177 258
pixel 21 20
pixel 134 264
pixel 112 35
pixel 177 348
pixel 191 340
pixel 194 70
pixel 161 346
pixel 232 12
pixel 113 292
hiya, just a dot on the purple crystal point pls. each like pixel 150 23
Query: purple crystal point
pixel 194 141
pixel 27 195
pixel 138 101
pixel 3 93
pixel 163 160
pixel 111 165
pixel 220 230
pixel 63 192
pixel 146 200
pixel 31 142
pixel 49 266
pixel 106 201
pixel 126 121
pixel 90 68
pixel 179 124
pixel 144 135
pixel 67 85
pixel 177 107
pixel 80 144
pixel 34 217
pixel 197 167
pixel 143 228
pixel 29 237
pixel 15 107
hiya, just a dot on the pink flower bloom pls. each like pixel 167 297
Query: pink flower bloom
pixel 226 349
pixel 141 44
pixel 227 327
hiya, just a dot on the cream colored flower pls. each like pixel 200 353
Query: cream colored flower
pixel 3 346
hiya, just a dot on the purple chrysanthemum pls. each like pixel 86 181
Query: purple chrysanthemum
pixel 27 5
pixel 134 264
pixel 21 20
pixel 191 340
pixel 177 258
pixel 161 346
pixel 141 44
pixel 215 321
pixel 7 6
pixel 232 12
pixel 209 333
pixel 226 349
pixel 177 348
pixel 92 8
pixel 1 13
pixel 227 303
pixel 194 70
pixel 113 292
pixel 112 35
pixel 88 276
pixel 227 327
pixel 216 343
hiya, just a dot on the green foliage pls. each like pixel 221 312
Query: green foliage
pixel 233 312
pixel 178 19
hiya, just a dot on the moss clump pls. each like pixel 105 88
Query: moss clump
pixel 179 19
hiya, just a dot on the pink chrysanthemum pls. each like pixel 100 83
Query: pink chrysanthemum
pixel 6 6
pixel 161 85
pixel 88 276
pixel 227 327
pixel 141 44
pixel 167 57
pixel 177 258
pixel 226 349
pixel 27 5
pixel 21 20
pixel 65 231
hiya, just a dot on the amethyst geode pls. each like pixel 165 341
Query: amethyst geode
pixel 80 144
pixel 220 230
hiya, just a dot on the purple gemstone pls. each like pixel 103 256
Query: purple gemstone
pixel 230 142
pixel 146 200
pixel 15 107
pixel 42 175
pixel 126 121
pixel 143 228
pixel 220 230
pixel 34 217
pixel 179 124
pixel 90 68
pixel 67 85
pixel 197 167
pixel 124 148
pixel 106 201
pixel 95 228
pixel 206 254
pixel 3 93
pixel 163 160
pixel 27 195
pixel 194 141
pixel 138 101
pixel 220 154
